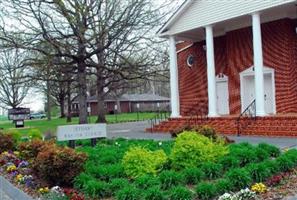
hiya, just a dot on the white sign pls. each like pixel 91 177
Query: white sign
pixel 80 132
pixel 137 105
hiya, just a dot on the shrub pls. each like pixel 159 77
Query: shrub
pixel 82 180
pixel 128 193
pixel 208 132
pixel 191 149
pixel 292 156
pixel 6 142
pixel 229 162
pixel 31 149
pixel 94 188
pixel 147 181
pixel 192 175
pixel 154 193
pixel 239 178
pixel 244 155
pixel 35 134
pixel 108 172
pixel 16 135
pixel 272 165
pixel 212 170
pixel 59 166
pixel 259 172
pixel 284 163
pixel 223 186
pixel 205 191
pixel 261 154
pixel 169 179
pixel 117 184
pixel 139 161
pixel 180 193
pixel 270 149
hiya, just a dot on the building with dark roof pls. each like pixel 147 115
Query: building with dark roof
pixel 127 103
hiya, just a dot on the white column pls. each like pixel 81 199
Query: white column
pixel 211 75
pixel 258 64
pixel 173 79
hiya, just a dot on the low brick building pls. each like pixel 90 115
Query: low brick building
pixel 128 103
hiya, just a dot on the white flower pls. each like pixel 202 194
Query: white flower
pixel 160 143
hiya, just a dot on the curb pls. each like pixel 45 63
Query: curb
pixel 13 192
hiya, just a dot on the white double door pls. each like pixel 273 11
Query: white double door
pixel 248 93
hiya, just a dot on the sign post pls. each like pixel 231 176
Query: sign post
pixel 137 106
pixel 79 132
pixel 18 115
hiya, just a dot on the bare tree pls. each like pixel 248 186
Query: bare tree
pixel 111 36
pixel 14 85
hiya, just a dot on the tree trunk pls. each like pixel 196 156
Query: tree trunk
pixel 100 106
pixel 69 102
pixel 82 95
pixel 48 98
pixel 119 106
pixel 62 108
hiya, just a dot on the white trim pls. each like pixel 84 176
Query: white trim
pixel 250 72
pixel 185 48
pixel 175 16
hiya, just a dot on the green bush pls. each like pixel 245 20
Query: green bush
pixel 6 142
pixel 205 191
pixel 259 172
pixel 94 188
pixel 192 175
pixel 146 181
pixel 81 180
pixel 292 156
pixel 272 165
pixel 191 149
pixel 180 193
pixel 223 186
pixel 212 170
pixel 16 135
pixel 128 193
pixel 261 154
pixel 35 134
pixel 108 172
pixel 244 155
pixel 270 149
pixel 169 179
pixel 284 163
pixel 117 184
pixel 229 162
pixel 239 178
pixel 139 161
pixel 154 193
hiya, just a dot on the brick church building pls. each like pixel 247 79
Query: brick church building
pixel 234 61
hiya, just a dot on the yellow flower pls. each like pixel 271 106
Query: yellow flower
pixel 17 153
pixel 43 190
pixel 259 188
pixel 11 168
pixel 19 177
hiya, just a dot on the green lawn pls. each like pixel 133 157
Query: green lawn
pixel 44 125
pixel 3 118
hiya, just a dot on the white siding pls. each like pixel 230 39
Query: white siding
pixel 206 12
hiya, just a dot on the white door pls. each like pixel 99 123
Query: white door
pixel 222 97
pixel 248 91
pixel 268 94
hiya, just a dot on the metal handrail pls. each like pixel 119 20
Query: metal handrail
pixel 158 118
pixel 198 115
pixel 250 113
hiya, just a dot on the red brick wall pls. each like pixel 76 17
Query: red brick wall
pixel 233 54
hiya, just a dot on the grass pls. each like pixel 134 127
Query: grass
pixel 45 125
pixel 3 118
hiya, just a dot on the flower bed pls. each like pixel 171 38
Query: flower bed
pixel 191 167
